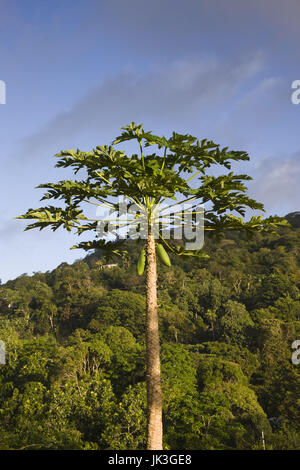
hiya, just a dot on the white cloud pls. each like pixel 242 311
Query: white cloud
pixel 276 183
pixel 188 93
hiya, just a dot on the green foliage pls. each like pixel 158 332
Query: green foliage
pixel 235 323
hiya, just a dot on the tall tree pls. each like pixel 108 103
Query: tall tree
pixel 148 184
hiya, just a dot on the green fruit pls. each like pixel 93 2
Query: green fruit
pixel 141 263
pixel 163 255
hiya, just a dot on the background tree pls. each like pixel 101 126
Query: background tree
pixel 147 181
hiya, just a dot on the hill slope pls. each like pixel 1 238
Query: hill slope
pixel 74 377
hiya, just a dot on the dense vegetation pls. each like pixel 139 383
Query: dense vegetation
pixel 75 372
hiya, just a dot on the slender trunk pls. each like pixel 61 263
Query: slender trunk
pixel 154 396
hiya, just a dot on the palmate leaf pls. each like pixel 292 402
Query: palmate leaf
pixel 53 217
pixel 218 225
pixel 107 249
pixel 75 191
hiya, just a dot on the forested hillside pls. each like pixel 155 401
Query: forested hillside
pixel 75 371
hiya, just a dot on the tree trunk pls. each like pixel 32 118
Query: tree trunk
pixel 154 395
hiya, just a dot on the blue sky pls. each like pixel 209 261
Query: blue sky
pixel 76 71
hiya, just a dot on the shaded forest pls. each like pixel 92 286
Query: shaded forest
pixel 75 350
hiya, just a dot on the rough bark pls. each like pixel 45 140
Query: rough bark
pixel 154 395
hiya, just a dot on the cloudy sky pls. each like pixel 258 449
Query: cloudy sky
pixel 78 70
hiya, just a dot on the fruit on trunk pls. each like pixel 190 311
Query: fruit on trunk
pixel 141 263
pixel 163 255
